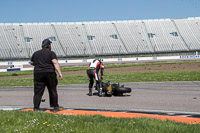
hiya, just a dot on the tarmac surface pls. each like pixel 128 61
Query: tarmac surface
pixel 171 98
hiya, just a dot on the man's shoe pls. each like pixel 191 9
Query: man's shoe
pixel 90 93
pixel 56 109
pixel 100 93
pixel 36 109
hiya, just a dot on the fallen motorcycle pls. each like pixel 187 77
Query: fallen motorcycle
pixel 109 89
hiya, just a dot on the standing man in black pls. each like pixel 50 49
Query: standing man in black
pixel 45 62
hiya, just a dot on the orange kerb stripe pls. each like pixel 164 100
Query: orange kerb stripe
pixel 188 120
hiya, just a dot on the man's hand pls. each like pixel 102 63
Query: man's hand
pixel 57 66
pixel 60 77
pixel 101 77
pixel 32 63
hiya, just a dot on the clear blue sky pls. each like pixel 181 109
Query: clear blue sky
pixel 14 11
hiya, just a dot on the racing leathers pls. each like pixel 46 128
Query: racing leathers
pixel 93 73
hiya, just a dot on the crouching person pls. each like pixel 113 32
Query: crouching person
pixel 93 73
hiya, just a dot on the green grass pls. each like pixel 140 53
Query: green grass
pixel 14 73
pixel 114 77
pixel 137 77
pixel 36 122
pixel 148 64
pixel 16 82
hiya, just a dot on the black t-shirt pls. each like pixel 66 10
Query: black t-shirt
pixel 42 61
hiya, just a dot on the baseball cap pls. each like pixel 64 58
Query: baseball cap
pixel 46 42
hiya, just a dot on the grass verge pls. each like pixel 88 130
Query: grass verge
pixel 15 73
pixel 114 77
pixel 18 121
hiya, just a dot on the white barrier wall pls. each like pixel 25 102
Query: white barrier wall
pixel 104 60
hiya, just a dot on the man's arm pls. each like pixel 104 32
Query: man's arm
pixel 32 63
pixel 57 66
pixel 102 70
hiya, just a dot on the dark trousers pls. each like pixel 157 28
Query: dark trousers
pixel 41 80
pixel 93 75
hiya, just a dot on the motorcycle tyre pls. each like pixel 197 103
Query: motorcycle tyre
pixel 121 90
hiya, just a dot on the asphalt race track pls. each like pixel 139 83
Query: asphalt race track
pixel 149 97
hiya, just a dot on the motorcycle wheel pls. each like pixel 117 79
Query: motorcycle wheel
pixel 120 90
